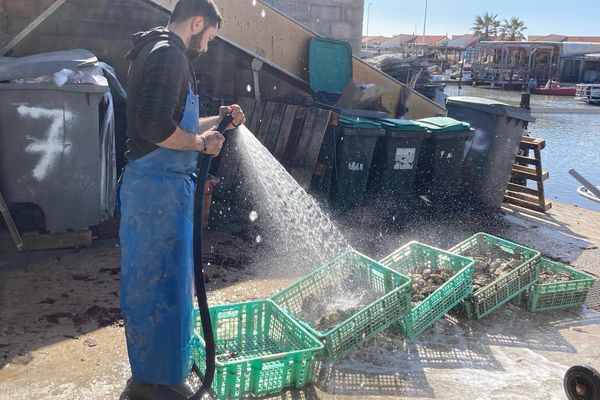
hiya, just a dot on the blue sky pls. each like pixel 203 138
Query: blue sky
pixel 568 17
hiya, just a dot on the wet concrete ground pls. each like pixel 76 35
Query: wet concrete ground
pixel 61 336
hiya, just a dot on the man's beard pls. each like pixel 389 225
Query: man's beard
pixel 195 42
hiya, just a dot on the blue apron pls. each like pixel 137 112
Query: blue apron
pixel 157 266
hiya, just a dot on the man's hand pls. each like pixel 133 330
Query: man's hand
pixel 211 142
pixel 237 114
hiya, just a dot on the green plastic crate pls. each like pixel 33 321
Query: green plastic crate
pixel 260 350
pixel 508 286
pixel 393 301
pixel 446 297
pixel 555 295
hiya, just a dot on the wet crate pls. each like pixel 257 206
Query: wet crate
pixel 415 255
pixel 260 350
pixel 391 289
pixel 555 295
pixel 508 286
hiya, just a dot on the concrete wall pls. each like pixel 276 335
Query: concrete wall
pixel 101 26
pixel 339 19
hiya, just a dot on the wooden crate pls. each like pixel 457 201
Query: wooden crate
pixel 293 134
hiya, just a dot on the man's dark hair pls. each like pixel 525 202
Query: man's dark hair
pixel 185 9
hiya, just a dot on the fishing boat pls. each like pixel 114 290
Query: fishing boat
pixel 553 88
pixel 588 92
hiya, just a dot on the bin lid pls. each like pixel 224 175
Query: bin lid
pixel 330 65
pixel 403 125
pixel 69 87
pixel 45 64
pixel 491 107
pixel 359 123
pixel 443 125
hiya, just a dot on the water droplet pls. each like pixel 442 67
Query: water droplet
pixel 253 216
pixel 394 218
pixel 254 3
pixel 258 239
pixel 318 20
pixel 263 13
pixel 208 264
pixel 274 87
pixel 249 88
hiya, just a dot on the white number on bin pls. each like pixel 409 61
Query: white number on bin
pixel 354 166
pixel 405 158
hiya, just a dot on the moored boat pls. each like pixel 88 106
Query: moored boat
pixel 583 191
pixel 588 92
pixel 553 88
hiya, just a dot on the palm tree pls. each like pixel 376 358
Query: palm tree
pixel 486 26
pixel 512 29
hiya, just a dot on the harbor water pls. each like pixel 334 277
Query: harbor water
pixel 572 141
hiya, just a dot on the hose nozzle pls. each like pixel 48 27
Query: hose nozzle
pixel 224 123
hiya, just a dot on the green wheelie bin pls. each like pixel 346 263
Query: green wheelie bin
pixel 394 168
pixel 440 165
pixel 355 145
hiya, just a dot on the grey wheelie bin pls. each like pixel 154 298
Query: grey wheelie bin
pixel 51 164
pixel 494 147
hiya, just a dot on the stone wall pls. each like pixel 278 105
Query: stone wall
pixel 339 19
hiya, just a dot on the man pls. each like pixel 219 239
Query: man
pixel 532 86
pixel 165 138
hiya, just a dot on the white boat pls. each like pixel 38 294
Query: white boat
pixel 588 92
pixel 583 191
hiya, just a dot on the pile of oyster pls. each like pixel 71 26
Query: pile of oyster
pixel 489 266
pixel 549 276
pixel 335 305
pixel 335 317
pixel 426 280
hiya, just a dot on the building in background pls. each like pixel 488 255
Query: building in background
pixel 503 63
pixel 411 45
pixel 562 38
pixel 467 45
pixel 338 19
pixel 405 41
pixel 373 42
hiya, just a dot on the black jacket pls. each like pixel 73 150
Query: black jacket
pixel 157 87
